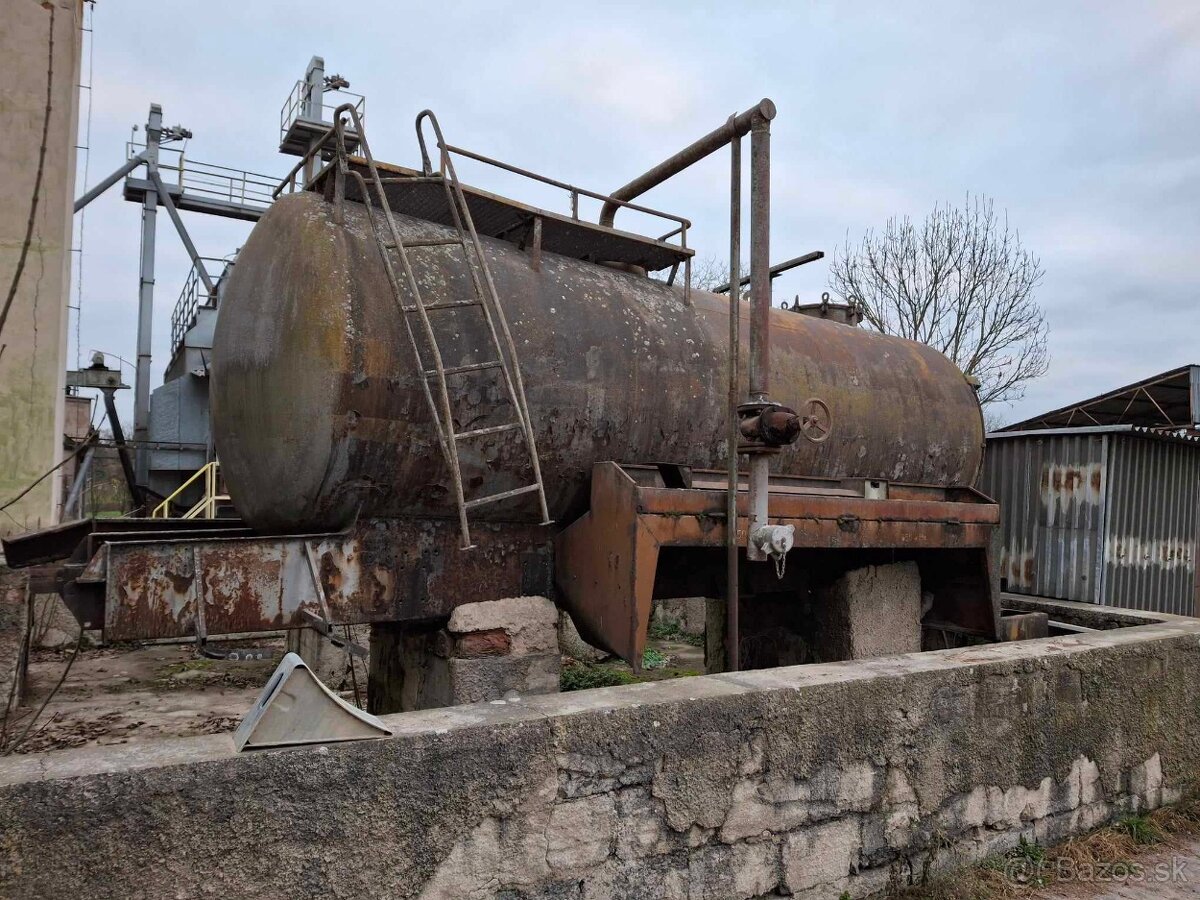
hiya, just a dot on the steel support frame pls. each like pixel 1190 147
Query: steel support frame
pixel 147 584
pixel 145 320
pixel 606 562
pixel 145 327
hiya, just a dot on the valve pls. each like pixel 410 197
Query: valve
pixel 774 425
pixel 770 425
pixel 817 421
pixel 775 541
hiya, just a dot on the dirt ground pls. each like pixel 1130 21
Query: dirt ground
pixel 126 693
pixel 114 695
pixel 1170 874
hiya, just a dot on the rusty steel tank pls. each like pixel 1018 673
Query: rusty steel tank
pixel 318 411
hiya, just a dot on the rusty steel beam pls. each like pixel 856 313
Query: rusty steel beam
pixel 394 571
pixel 736 127
pixel 606 563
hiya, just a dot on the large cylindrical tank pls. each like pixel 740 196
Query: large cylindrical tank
pixel 318 411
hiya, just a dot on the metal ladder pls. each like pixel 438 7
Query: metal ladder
pixel 392 249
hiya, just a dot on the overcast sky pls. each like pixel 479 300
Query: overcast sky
pixel 1078 118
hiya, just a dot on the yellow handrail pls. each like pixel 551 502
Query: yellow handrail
pixel 207 503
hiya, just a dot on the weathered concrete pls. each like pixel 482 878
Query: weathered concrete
pixel 14 628
pixel 487 651
pixel 329 662
pixel 33 343
pixel 1090 615
pixel 810 780
pixel 53 624
pixel 685 613
pixel 571 644
pixel 872 611
pixel 715 620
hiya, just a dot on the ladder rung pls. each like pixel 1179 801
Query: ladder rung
pixel 494 429
pixel 413 179
pixel 444 304
pixel 496 498
pixel 473 367
pixel 431 242
pixel 424 242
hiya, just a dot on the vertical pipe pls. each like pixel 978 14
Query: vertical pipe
pixel 731 543
pixel 760 313
pixel 141 385
pixel 312 107
pixel 760 258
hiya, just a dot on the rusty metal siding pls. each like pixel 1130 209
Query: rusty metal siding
pixel 1051 491
pixel 1194 392
pixel 1107 515
pixel 1151 530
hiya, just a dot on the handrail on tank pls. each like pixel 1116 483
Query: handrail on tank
pixel 289 180
pixel 574 190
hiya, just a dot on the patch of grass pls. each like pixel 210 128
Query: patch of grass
pixel 190 665
pixel 670 630
pixel 1141 829
pixel 1030 851
pixel 654 659
pixel 583 676
pixel 1029 866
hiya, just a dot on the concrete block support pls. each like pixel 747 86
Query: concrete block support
pixel 715 618
pixel 808 781
pixel 487 651
pixel 687 614
pixel 872 611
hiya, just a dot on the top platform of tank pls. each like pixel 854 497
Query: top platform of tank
pixel 510 220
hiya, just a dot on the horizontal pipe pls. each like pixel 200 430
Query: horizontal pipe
pixel 575 191
pixel 736 127
pixel 778 269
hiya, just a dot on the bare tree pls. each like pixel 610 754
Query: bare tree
pixel 961 282
pixel 708 272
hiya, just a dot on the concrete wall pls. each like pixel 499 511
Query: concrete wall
pixel 806 781
pixel 14 624
pixel 34 341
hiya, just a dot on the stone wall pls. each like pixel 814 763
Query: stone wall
pixel 807 781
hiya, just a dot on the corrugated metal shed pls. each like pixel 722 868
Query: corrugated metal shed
pixel 1107 515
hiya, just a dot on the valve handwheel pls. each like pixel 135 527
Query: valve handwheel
pixel 816 423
